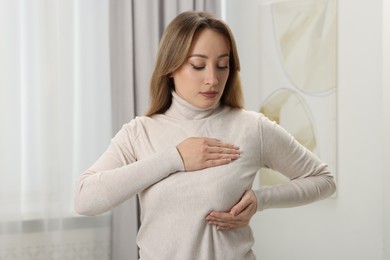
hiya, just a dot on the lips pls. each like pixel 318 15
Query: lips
pixel 209 94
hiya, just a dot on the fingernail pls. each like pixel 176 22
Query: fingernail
pixel 235 156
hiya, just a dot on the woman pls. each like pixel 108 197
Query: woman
pixel 193 158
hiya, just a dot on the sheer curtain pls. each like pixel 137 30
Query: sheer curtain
pixel 55 111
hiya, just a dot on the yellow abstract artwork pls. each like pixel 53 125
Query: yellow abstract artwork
pixel 298 74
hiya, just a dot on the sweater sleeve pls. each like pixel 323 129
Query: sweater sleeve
pixel 310 178
pixel 117 175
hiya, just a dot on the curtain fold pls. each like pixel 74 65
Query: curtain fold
pixel 55 110
pixel 135 30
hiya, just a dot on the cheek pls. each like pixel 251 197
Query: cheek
pixel 186 76
pixel 225 77
pixel 184 82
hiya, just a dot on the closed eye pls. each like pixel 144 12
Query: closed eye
pixel 197 67
pixel 222 67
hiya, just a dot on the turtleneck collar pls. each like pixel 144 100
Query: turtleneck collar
pixel 181 109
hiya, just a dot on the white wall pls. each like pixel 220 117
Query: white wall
pixel 386 128
pixel 350 226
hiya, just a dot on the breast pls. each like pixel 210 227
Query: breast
pixel 217 188
pixel 198 193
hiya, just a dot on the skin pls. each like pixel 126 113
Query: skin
pixel 201 80
pixel 238 216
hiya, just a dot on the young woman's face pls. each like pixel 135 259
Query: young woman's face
pixel 201 79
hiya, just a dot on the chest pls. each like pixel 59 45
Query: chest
pixel 199 192
pixel 215 188
pixel 158 135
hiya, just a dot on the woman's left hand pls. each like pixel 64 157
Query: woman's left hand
pixel 238 216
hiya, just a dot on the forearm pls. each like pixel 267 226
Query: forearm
pixel 310 178
pixel 297 192
pixel 100 190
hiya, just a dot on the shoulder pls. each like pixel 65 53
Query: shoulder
pixel 136 122
pixel 131 129
pixel 246 115
pixel 257 122
pixel 145 124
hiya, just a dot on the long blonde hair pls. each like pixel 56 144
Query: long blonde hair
pixel 174 47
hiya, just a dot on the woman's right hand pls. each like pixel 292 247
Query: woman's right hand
pixel 198 153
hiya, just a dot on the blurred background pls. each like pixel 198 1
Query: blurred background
pixel 72 72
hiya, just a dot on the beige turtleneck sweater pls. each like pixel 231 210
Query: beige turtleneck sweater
pixel 142 159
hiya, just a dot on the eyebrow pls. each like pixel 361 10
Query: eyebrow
pixel 205 56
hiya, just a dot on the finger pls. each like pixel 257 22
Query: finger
pixel 217 162
pixel 219 156
pixel 218 143
pixel 224 221
pixel 220 216
pixel 222 150
pixel 239 207
pixel 225 226
pixel 247 202
pixel 228 225
pixel 234 223
pixel 228 221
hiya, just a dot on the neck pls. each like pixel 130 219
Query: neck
pixel 181 109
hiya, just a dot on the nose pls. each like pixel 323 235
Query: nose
pixel 211 78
